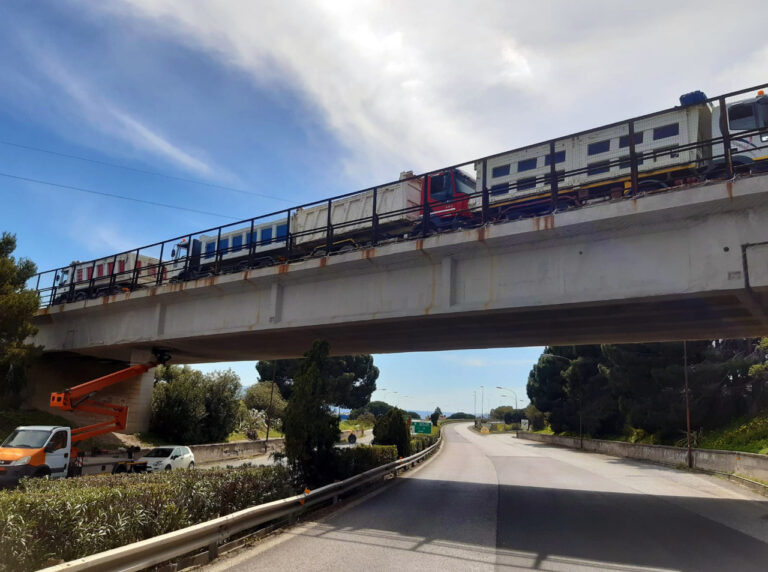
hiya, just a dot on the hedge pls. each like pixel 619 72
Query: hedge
pixel 362 458
pixel 421 442
pixel 46 521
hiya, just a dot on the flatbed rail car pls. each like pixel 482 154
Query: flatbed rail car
pixel 681 145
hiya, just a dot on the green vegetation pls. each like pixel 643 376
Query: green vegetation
pixel 391 429
pixel 374 408
pixel 72 518
pixel 355 460
pixel 637 390
pixel 361 423
pixel 12 418
pixel 311 428
pixel 349 380
pixel 190 407
pixel 746 434
pixel 435 417
pixel 17 308
pixel 461 415
pixel 265 396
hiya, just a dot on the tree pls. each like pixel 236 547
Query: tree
pixel 504 412
pixel 311 429
pixel 377 408
pixel 461 415
pixel 535 418
pixel 412 415
pixel 191 407
pixel 18 306
pixel 435 417
pixel 392 429
pixel 351 379
pixel 259 395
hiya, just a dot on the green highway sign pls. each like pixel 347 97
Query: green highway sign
pixel 422 427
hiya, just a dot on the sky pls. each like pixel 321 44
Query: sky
pixel 226 110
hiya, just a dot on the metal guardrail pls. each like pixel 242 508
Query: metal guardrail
pixel 153 551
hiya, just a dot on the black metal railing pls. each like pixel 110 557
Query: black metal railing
pixel 543 193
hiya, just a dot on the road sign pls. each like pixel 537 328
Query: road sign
pixel 424 427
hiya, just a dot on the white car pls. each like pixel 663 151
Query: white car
pixel 168 458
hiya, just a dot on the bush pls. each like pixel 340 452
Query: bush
pixel 189 407
pixel 421 442
pixel 67 519
pixel 355 460
pixel 391 429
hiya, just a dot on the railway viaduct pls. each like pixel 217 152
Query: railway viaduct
pixel 689 263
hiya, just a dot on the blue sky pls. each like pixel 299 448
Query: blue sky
pixel 299 101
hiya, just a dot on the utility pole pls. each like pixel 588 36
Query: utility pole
pixel 269 409
pixel 687 404
pixel 482 403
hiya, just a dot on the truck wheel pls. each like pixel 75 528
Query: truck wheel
pixel 167 467
pixel 191 465
pixel 80 296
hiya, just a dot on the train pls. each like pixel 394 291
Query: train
pixel 679 146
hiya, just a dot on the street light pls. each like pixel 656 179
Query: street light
pixel 507 389
pixel 482 403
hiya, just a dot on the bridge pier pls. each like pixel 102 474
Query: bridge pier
pixel 60 370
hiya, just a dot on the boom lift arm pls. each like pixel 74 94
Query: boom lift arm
pixel 80 398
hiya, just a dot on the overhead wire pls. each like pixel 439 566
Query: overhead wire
pixel 138 170
pixel 115 196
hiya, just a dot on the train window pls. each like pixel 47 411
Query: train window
pixel 90 272
pixel 224 245
pixel 501 171
pixel 527 183
pixel 559 158
pixel 560 177
pixel 210 249
pixel 526 165
pixel 282 231
pixel 111 268
pixel 598 147
pixel 440 187
pixel 80 275
pixel 624 162
pixel 741 117
pixel 237 242
pixel 598 167
pixel 500 189
pixel 624 139
pixel 266 235
pixel 464 184
pixel 100 270
pixel 665 131
pixel 121 266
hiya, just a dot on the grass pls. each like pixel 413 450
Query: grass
pixel 240 436
pixel 350 424
pixel 746 434
pixel 12 418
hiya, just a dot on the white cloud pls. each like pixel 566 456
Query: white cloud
pixel 111 120
pixel 418 85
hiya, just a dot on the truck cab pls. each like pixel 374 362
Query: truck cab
pixel 35 451
pixel 748 126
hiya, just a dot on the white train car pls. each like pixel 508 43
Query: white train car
pixel 105 276
pixel 592 159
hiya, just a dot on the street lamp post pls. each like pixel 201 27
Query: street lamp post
pixel 507 389
pixel 687 403
pixel 482 403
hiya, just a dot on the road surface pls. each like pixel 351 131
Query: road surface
pixel 493 502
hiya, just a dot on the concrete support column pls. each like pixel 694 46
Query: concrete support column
pixel 138 394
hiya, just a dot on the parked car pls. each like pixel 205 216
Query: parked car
pixel 168 458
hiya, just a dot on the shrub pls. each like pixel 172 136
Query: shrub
pixel 421 442
pixel 355 460
pixel 391 429
pixel 67 519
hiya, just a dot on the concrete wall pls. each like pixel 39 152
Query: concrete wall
pixel 235 450
pixel 747 465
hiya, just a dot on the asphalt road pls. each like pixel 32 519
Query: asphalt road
pixel 497 503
